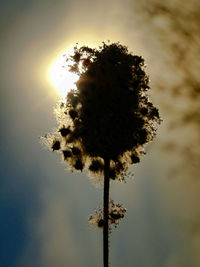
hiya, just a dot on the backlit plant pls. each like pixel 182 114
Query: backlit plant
pixel 105 122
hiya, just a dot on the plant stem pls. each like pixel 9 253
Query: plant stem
pixel 106 211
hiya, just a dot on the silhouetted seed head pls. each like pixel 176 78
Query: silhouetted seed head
pixel 78 165
pixel 108 117
pixel 100 115
pixel 73 99
pixel 77 56
pixel 73 114
pixel 74 68
pixel 154 112
pixel 86 62
pixel 119 167
pixel 134 158
pixel 116 216
pixel 64 131
pixel 97 219
pixel 55 145
pixel 142 136
pixel 116 213
pixel 67 154
pixel 96 166
pixel 144 111
pixel 76 151
pixel 109 114
pixel 101 223
pixel 77 123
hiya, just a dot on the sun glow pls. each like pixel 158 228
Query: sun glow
pixel 60 76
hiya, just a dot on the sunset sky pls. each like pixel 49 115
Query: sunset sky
pixel 43 206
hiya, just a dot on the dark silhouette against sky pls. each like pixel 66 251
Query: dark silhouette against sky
pixel 43 206
pixel 109 119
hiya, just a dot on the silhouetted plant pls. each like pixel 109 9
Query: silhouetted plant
pixel 106 121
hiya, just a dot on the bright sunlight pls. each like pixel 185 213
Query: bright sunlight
pixel 60 76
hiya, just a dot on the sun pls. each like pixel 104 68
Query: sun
pixel 60 76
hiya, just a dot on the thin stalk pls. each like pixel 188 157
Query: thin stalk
pixel 106 211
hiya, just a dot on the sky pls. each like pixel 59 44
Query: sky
pixel 43 206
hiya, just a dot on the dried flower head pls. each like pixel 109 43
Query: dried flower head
pixel 109 115
pixel 116 213
pixel 105 122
